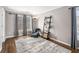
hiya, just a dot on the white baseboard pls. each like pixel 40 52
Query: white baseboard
pixel 9 36
pixel 61 42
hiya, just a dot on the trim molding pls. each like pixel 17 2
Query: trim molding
pixel 9 36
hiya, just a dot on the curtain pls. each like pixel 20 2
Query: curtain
pixel 29 25
pixel 24 26
pixel 23 23
pixel 73 33
pixel 16 26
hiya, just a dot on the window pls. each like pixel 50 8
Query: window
pixel 29 24
pixel 20 24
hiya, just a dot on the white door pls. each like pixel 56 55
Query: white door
pixel 2 19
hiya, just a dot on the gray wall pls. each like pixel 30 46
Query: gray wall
pixel 62 22
pixel 9 25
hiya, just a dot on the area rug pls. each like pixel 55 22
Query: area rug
pixel 38 45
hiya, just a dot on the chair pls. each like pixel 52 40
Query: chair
pixel 36 32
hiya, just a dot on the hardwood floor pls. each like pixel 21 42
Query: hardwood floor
pixel 9 46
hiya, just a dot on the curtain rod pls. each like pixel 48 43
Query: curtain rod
pixel 18 13
pixel 73 7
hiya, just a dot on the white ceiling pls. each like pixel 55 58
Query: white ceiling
pixel 33 9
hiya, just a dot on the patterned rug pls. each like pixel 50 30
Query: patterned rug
pixel 38 45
